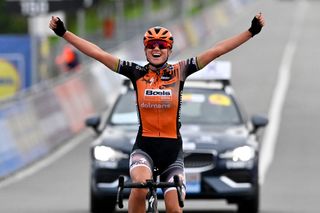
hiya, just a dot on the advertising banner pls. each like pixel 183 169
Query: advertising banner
pixel 75 102
pixel 50 119
pixel 15 64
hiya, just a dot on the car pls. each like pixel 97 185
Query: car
pixel 220 144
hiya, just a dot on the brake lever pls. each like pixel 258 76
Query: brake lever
pixel 178 185
pixel 119 194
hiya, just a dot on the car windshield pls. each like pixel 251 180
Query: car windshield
pixel 199 106
pixel 203 106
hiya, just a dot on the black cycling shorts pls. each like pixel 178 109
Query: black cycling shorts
pixel 140 158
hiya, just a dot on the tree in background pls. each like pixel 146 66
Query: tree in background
pixel 12 23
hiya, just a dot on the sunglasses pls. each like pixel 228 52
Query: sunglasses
pixel 160 44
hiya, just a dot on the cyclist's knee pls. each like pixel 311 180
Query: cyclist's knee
pixel 140 174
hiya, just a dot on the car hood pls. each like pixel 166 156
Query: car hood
pixel 219 138
pixel 118 137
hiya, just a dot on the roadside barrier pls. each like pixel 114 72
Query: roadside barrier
pixel 49 115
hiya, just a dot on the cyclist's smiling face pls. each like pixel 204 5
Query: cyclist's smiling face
pixel 157 55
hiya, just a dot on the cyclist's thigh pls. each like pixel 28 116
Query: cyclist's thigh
pixel 141 165
pixel 176 168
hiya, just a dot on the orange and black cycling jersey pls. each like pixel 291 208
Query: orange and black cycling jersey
pixel 159 95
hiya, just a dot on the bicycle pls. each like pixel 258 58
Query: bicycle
pixel 152 185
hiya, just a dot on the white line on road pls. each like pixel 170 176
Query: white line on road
pixel 280 92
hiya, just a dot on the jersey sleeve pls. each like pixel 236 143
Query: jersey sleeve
pixel 188 67
pixel 129 69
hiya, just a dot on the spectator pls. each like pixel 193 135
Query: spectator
pixel 68 60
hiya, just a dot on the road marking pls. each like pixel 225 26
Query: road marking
pixel 280 92
pixel 51 158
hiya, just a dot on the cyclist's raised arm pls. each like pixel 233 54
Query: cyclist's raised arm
pixel 227 45
pixel 83 45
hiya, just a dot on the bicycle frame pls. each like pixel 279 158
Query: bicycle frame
pixel 152 186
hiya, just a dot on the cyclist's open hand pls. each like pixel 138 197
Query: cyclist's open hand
pixel 256 24
pixel 57 26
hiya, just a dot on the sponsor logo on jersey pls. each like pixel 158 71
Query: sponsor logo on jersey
pixel 155 105
pixel 166 78
pixel 158 92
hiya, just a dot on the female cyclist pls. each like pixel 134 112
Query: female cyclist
pixel 158 87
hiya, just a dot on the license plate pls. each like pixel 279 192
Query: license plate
pixel 193 182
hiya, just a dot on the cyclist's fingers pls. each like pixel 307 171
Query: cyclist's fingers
pixel 53 22
pixel 260 18
pixel 51 26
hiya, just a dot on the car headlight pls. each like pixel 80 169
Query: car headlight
pixel 105 153
pixel 243 153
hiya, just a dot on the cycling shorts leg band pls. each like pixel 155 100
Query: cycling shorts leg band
pixel 140 158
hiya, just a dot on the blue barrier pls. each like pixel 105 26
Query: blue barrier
pixel 10 159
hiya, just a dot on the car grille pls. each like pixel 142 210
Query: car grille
pixel 198 160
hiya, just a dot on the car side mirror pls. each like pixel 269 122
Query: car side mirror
pixel 258 121
pixel 94 123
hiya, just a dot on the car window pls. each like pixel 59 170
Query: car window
pixel 199 106
pixel 208 107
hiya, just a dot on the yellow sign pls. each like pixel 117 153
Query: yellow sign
pixel 220 99
pixel 9 79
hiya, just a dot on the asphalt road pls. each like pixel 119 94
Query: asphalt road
pixel 288 49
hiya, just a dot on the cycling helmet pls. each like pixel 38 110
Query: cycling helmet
pixel 158 33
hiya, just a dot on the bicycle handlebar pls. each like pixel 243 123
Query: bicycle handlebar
pixel 152 185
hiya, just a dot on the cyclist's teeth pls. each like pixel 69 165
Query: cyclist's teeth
pixel 156 55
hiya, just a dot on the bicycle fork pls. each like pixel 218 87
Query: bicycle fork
pixel 152 201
